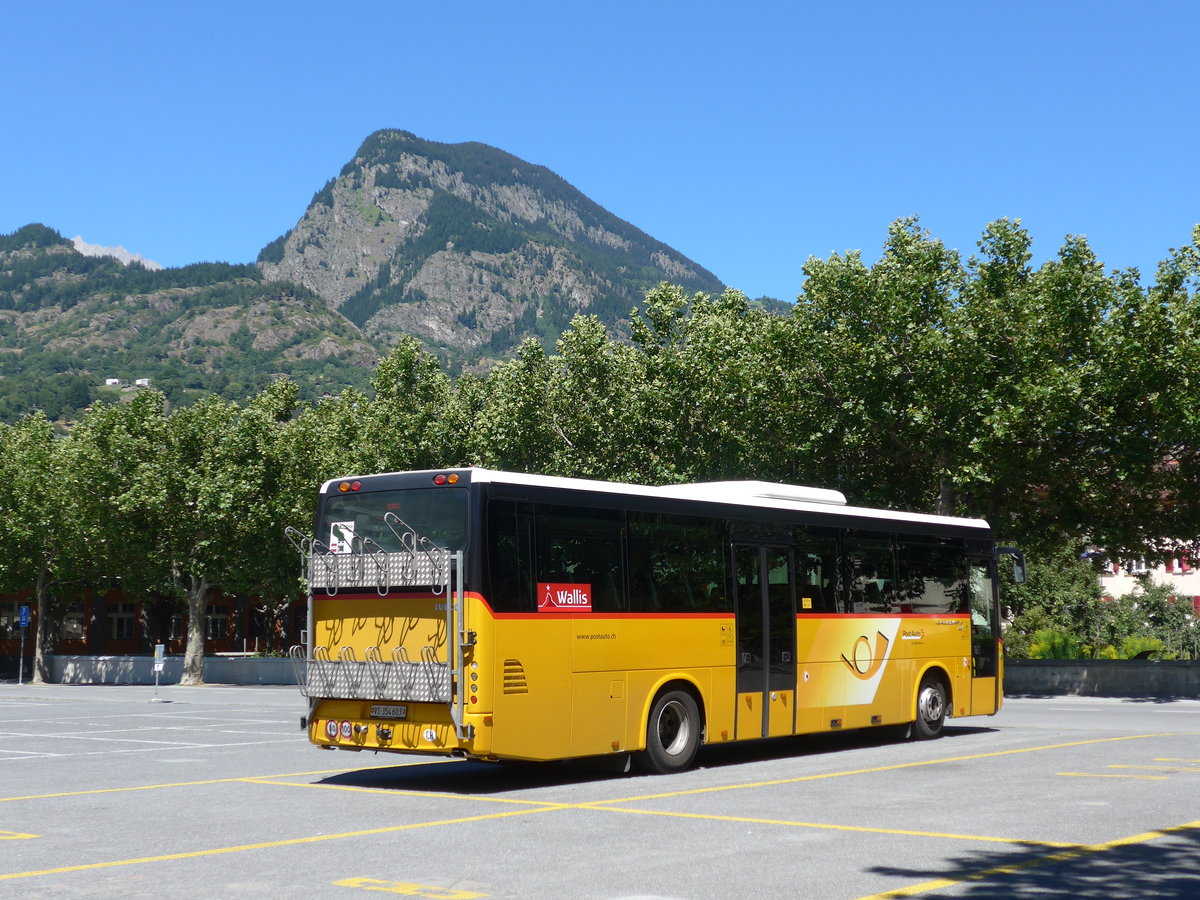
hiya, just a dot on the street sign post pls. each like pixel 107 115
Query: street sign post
pixel 21 655
pixel 159 663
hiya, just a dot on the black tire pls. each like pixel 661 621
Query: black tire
pixel 931 708
pixel 672 734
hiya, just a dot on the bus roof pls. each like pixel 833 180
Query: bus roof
pixel 753 494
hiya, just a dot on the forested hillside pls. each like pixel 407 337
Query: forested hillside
pixel 68 322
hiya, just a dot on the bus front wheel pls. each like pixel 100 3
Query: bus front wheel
pixel 931 708
pixel 672 734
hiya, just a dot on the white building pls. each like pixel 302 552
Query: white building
pixel 1124 575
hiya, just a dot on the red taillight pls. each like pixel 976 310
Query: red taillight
pixel 439 479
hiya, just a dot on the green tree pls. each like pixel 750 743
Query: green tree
pixel 512 425
pixel 212 498
pixel 593 405
pixel 405 425
pixel 110 449
pixel 716 398
pixel 40 548
pixel 877 359
pixel 1167 354
pixel 1038 399
pixel 1061 595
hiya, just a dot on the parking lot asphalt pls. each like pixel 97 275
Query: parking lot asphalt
pixel 214 791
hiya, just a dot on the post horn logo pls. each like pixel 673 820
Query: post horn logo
pixel 862 663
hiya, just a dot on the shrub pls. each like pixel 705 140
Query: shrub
pixel 1049 643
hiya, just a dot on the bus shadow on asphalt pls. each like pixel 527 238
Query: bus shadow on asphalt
pixel 468 777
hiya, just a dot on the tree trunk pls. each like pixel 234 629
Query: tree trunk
pixel 947 501
pixel 193 657
pixel 41 666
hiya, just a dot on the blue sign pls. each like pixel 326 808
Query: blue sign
pixel 24 616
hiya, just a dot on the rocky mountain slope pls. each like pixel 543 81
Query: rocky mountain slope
pixel 468 248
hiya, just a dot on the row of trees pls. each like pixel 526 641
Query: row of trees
pixel 1060 403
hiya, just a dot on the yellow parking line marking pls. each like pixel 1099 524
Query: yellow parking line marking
pixel 15 835
pixel 1173 759
pixel 120 790
pixel 408 890
pixel 910 765
pixel 267 845
pixel 1102 775
pixel 826 826
pixel 1061 856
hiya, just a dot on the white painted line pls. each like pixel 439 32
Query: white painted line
pixel 176 748
pixel 26 754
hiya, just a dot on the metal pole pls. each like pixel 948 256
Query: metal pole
pixel 24 619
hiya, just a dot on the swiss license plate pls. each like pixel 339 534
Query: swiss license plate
pixel 379 711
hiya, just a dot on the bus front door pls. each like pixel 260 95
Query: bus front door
pixel 985 648
pixel 765 600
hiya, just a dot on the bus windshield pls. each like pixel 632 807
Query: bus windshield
pixel 355 522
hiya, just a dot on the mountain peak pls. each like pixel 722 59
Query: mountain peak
pixel 468 247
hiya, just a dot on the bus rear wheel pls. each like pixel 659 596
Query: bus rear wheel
pixel 931 708
pixel 672 734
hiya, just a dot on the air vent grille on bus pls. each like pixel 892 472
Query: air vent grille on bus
pixel 514 677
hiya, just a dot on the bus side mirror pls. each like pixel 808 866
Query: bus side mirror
pixel 1018 559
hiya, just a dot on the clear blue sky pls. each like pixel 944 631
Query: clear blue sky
pixel 748 136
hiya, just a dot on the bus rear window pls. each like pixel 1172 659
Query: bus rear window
pixel 355 522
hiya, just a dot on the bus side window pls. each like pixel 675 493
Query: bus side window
pixel 871 573
pixel 676 563
pixel 510 556
pixel 931 576
pixel 816 571
pixel 583 546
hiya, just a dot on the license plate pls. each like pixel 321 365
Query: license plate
pixel 389 712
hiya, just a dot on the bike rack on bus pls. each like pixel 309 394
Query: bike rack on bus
pixel 420 562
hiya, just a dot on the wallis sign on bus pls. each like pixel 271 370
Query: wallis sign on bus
pixel 564 597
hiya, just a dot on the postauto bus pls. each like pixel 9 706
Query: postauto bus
pixel 504 616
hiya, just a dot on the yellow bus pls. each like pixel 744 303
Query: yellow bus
pixel 505 616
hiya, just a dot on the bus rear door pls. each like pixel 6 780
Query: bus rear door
pixel 765 603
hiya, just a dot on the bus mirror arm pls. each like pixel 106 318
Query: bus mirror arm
pixel 1018 559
